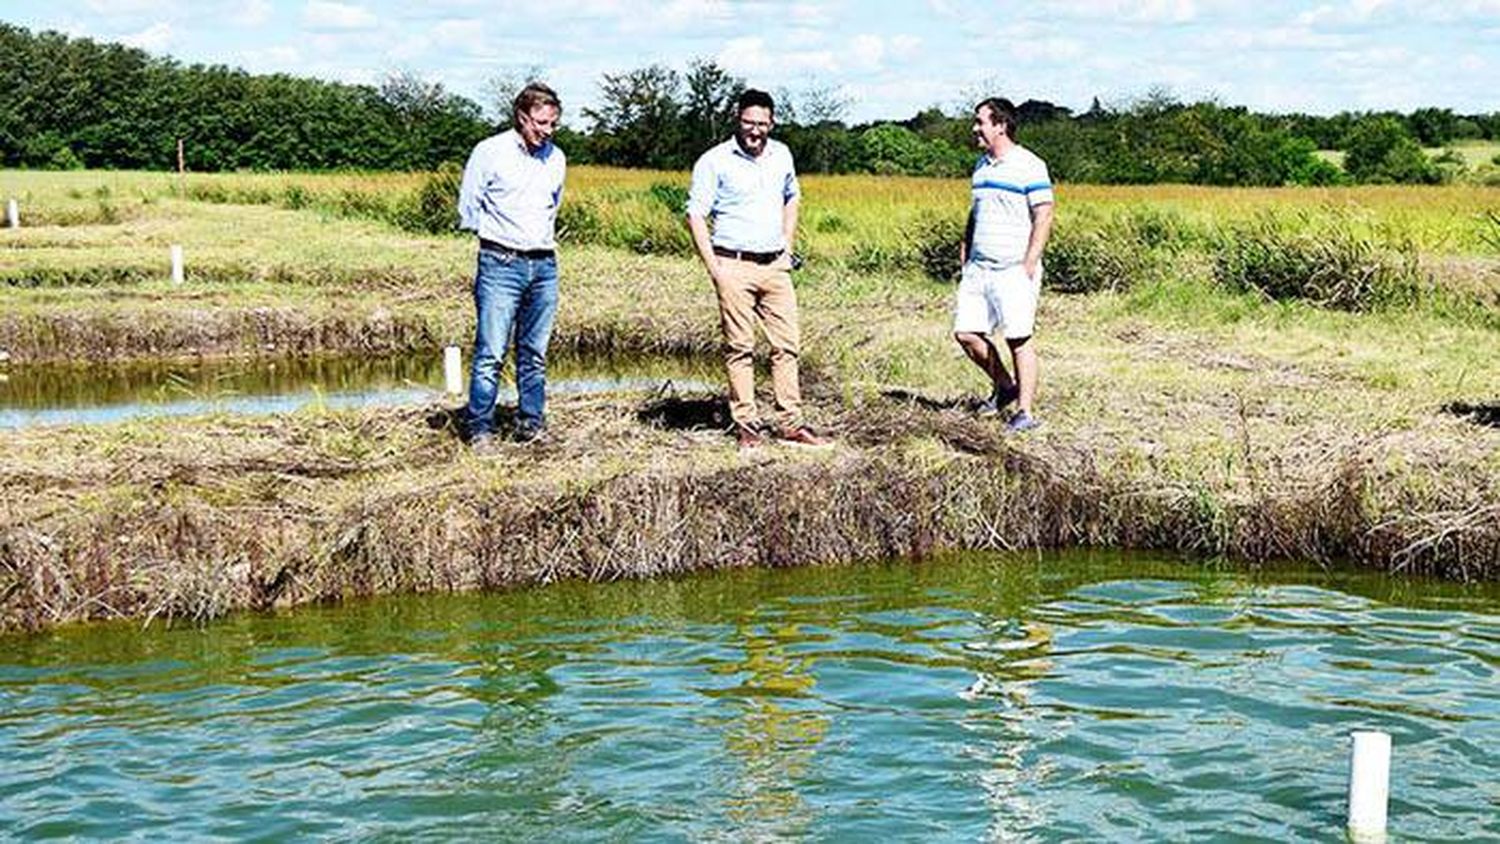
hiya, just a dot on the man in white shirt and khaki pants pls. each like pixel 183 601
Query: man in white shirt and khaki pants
pixel 748 187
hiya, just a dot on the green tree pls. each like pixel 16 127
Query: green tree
pixel 637 123
pixel 1381 150
pixel 708 116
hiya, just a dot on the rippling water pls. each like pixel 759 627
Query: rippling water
pixel 1078 697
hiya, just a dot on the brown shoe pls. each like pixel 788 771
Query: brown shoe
pixel 748 437
pixel 802 436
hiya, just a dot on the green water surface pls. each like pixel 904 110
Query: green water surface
pixel 1084 697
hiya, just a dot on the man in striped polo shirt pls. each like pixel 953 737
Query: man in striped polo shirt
pixel 1009 220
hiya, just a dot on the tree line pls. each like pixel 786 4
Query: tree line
pixel 72 102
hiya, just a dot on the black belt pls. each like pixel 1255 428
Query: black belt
pixel 533 254
pixel 742 255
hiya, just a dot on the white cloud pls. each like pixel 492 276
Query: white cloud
pixel 804 37
pixel 1369 60
pixel 1045 50
pixel 1358 12
pixel 465 34
pixel 154 38
pixel 1276 38
pixel 905 46
pixel 812 14
pixel 1166 11
pixel 748 55
pixel 1120 11
pixel 325 14
pixel 129 7
pixel 273 59
pixel 252 13
pixel 679 14
pixel 867 51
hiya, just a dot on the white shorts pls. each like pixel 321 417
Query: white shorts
pixel 990 299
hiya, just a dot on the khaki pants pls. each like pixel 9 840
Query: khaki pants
pixel 748 291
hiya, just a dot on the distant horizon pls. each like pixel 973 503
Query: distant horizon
pixel 888 60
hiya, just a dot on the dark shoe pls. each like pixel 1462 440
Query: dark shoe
pixel 1021 422
pixel 802 436
pixel 998 400
pixel 527 433
pixel 748 438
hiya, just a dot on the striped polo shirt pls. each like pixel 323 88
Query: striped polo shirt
pixel 1005 190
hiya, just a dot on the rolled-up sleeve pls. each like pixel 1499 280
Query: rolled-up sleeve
pixel 792 189
pixel 469 190
pixel 700 201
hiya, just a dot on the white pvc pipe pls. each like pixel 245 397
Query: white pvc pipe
pixel 453 373
pixel 176 264
pixel 1369 785
pixel 13 214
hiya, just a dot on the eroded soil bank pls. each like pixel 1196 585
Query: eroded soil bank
pixel 192 518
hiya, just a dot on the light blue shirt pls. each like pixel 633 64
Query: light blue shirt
pixel 744 196
pixel 510 194
pixel 1004 191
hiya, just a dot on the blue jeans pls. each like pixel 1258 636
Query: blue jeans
pixel 513 296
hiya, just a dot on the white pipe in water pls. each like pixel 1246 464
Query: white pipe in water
pixel 176 264
pixel 1369 785
pixel 453 373
pixel 13 214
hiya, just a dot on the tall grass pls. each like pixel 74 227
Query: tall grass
pixel 1344 248
pixel 1326 261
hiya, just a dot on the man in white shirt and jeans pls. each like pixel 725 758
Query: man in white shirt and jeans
pixel 1009 221
pixel 747 186
pixel 511 191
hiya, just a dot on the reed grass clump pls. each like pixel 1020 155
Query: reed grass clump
pixel 432 209
pixel 1325 261
pixel 936 240
pixel 1097 255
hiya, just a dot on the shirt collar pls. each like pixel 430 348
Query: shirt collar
pixel 999 159
pixel 736 149
pixel 541 152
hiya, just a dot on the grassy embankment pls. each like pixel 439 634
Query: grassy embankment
pixel 1223 382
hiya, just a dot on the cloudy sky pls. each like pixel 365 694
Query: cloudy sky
pixel 887 58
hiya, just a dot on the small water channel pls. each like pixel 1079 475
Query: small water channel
pixel 1079 697
pixel 66 394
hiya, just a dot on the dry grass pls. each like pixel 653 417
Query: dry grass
pixel 189 519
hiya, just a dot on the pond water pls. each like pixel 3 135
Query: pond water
pixel 66 395
pixel 1084 697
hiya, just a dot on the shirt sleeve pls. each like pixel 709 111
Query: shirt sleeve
pixel 792 189
pixel 700 201
pixel 469 189
pixel 1039 189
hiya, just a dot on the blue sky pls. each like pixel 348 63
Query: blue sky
pixel 889 59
